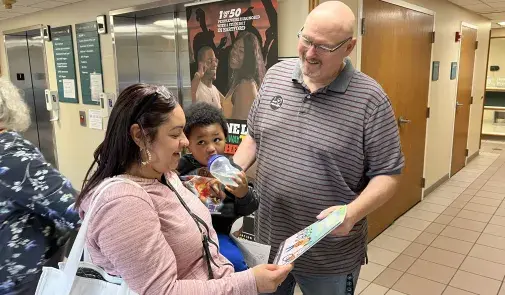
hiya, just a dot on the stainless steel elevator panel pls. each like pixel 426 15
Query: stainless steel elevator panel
pixel 26 60
pixel 183 59
pixel 125 45
pixel 157 50
pixel 151 46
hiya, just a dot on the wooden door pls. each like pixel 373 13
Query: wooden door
pixel 463 99
pixel 396 52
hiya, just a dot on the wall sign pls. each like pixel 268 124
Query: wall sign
pixel 64 60
pixel 454 70
pixel 90 62
pixel 435 71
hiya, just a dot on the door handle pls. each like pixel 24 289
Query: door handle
pixel 458 104
pixel 402 120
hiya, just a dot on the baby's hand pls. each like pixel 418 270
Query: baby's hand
pixel 242 187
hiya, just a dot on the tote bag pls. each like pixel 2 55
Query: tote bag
pixel 64 281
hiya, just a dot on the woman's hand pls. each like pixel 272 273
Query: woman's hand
pixel 270 276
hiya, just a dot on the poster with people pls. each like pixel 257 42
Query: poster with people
pixel 232 44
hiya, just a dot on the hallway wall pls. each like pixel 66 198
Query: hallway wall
pixel 442 98
pixel 75 144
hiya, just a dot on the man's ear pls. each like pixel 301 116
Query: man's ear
pixel 137 136
pixel 350 46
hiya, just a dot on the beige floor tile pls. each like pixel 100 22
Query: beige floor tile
pixel 371 271
pixel 460 234
pixel 451 211
pixel 444 219
pixel 472 215
pixel 393 292
pixel 502 290
pixel 421 214
pixel 470 191
pixel 500 212
pixel 492 241
pixel 402 262
pixel 454 291
pixel 488 253
pixel 413 223
pixel 402 232
pixel 453 245
pixel 496 230
pixel 464 198
pixel 491 195
pixel 443 257
pixel 498 220
pixel 381 256
pixel 430 207
pixel 450 188
pixel 486 201
pixel 458 183
pixel 458 204
pixel 388 277
pixel 414 285
pixel 425 238
pixel 438 200
pixel 361 285
pixel 435 228
pixel 390 243
pixel 474 283
pixel 499 184
pixel 492 189
pixel 483 268
pixel 374 289
pixel 432 271
pixel 480 208
pixel 415 250
pixel 468 224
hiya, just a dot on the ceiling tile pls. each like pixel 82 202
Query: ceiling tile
pixel 495 16
pixel 48 4
pixel 70 1
pixel 498 5
pixel 27 2
pixel 16 8
pixel 466 2
pixel 480 8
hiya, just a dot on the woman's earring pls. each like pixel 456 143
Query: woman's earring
pixel 148 158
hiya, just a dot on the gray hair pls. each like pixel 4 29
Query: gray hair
pixel 14 113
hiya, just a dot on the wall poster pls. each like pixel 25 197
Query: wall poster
pixel 232 44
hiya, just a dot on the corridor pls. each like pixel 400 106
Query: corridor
pixel 452 243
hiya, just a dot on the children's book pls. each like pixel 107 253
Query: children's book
pixel 294 246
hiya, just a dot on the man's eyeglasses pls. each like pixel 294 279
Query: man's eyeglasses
pixel 321 49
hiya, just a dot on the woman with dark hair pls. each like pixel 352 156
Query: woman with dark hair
pixel 158 237
pixel 247 70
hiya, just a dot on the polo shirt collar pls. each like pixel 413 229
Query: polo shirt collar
pixel 340 83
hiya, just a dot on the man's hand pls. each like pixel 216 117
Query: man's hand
pixel 202 68
pixel 345 228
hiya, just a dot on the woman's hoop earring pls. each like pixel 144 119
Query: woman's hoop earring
pixel 148 157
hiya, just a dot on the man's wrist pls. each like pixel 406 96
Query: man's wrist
pixel 352 213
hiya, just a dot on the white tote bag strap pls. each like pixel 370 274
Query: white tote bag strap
pixel 74 258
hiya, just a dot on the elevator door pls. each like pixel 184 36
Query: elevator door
pixel 26 60
pixel 151 46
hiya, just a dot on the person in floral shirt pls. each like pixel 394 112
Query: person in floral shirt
pixel 36 216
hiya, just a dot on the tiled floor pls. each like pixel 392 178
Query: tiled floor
pixel 452 243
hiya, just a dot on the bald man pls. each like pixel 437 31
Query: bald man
pixel 324 135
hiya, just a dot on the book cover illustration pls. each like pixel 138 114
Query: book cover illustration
pixel 294 246
pixel 200 186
